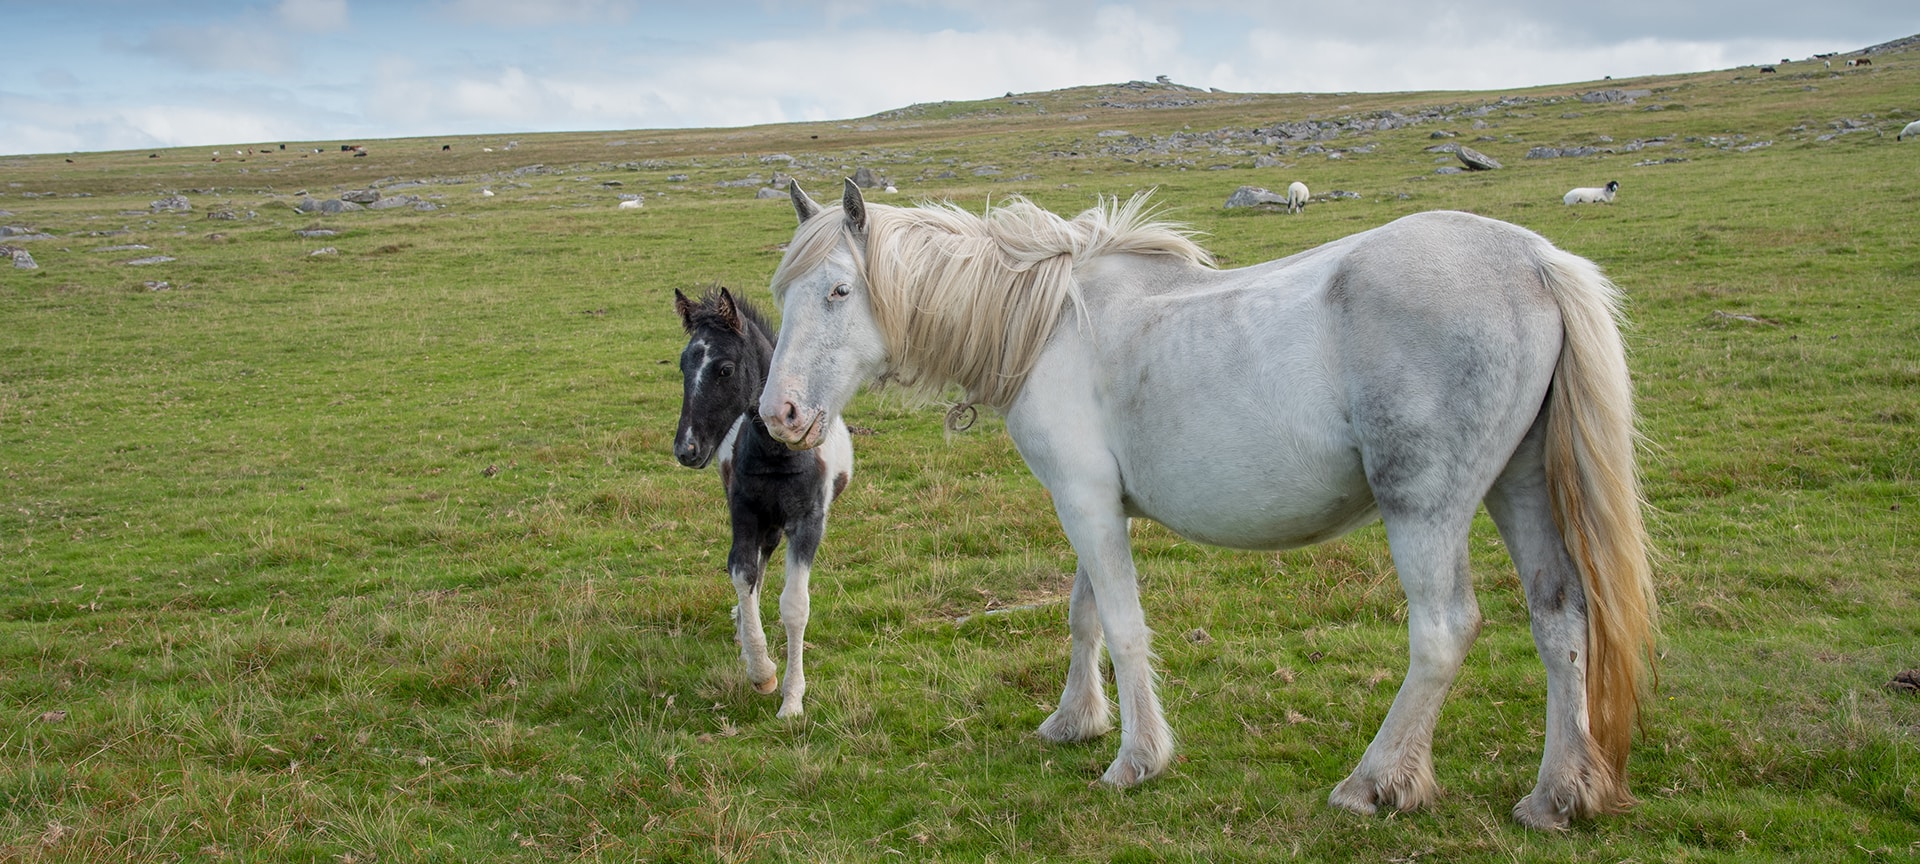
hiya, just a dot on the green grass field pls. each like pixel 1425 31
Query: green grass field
pixel 382 555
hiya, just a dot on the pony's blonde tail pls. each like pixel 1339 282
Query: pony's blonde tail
pixel 1595 489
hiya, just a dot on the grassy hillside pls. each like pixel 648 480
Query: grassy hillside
pixel 380 554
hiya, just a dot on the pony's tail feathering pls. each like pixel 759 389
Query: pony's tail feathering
pixel 1594 484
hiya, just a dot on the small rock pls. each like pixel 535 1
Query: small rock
pixel 142 262
pixel 769 192
pixel 23 260
pixel 324 250
pixel 152 285
pixel 314 232
pixel 1449 169
pixel 1253 196
pixel 1478 161
pixel 171 204
pixel 361 196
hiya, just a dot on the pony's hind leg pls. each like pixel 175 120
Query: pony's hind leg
pixel 1084 711
pixel 747 565
pixel 1575 780
pixel 1443 618
pixel 802 542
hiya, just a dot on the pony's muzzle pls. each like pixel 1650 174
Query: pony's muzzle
pixel 790 426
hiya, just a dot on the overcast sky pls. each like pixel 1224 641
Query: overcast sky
pixel 135 74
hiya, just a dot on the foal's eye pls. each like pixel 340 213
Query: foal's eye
pixel 839 292
pixel 726 370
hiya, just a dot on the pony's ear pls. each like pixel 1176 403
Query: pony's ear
pixel 730 312
pixel 855 208
pixel 685 307
pixel 802 205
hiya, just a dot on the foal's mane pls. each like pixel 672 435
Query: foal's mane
pixel 972 299
pixel 705 312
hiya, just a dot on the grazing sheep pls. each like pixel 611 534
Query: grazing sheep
pixel 630 204
pixel 1592 194
pixel 1296 196
pixel 1912 131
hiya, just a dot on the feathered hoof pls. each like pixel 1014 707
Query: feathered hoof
pixel 1129 771
pixel 1366 795
pixel 1065 727
pixel 1541 813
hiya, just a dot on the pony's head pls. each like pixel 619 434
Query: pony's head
pixel 931 296
pixel 830 344
pixel 722 370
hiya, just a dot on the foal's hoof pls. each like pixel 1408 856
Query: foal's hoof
pixel 767 686
pixel 1126 773
pixel 1541 813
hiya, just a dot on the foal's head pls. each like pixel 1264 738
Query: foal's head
pixel 722 370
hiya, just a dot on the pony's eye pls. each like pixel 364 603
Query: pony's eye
pixel 726 370
pixel 839 292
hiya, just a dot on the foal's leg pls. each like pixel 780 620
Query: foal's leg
pixel 747 565
pixel 1430 553
pixel 1083 711
pixel 1575 780
pixel 802 541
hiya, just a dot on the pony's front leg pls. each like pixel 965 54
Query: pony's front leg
pixel 747 564
pixel 1084 711
pixel 1097 529
pixel 802 542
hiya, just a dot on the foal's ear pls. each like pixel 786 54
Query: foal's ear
pixel 730 312
pixel 855 208
pixel 802 205
pixel 685 307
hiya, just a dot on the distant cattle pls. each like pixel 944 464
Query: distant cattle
pixel 1768 69
pixel 445 147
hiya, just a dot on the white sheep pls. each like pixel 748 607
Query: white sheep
pixel 1593 194
pixel 1912 131
pixel 630 204
pixel 1296 196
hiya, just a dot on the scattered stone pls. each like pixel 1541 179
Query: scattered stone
pixel 1441 133
pixel 1338 194
pixel 229 215
pixel 124 247
pixel 361 196
pixel 1254 196
pixel 1624 96
pixel 769 192
pixel 324 250
pixel 151 259
pixel 1478 161
pixel 328 205
pixel 1558 152
pixel 1449 169
pixel 314 232
pixel 171 204
pixel 863 178
pixel 398 201
pixel 23 260
pixel 1266 161
pixel 152 285
pixel 676 178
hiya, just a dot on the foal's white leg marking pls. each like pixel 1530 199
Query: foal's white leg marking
pixel 1084 711
pixel 793 614
pixel 1574 780
pixel 1098 531
pixel 1443 618
pixel 751 635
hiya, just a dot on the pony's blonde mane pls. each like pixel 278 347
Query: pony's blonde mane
pixel 971 299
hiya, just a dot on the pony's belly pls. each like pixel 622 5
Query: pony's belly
pixel 1271 512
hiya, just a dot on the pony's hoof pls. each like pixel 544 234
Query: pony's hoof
pixel 1126 773
pixel 767 686
pixel 790 711
pixel 1536 811
pixel 1062 728
pixel 1354 795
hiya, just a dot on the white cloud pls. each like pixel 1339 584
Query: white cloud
pixel 314 16
pixel 521 13
pixel 218 47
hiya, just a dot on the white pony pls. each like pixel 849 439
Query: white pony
pixel 1593 194
pixel 1296 196
pixel 1408 373
pixel 1912 130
